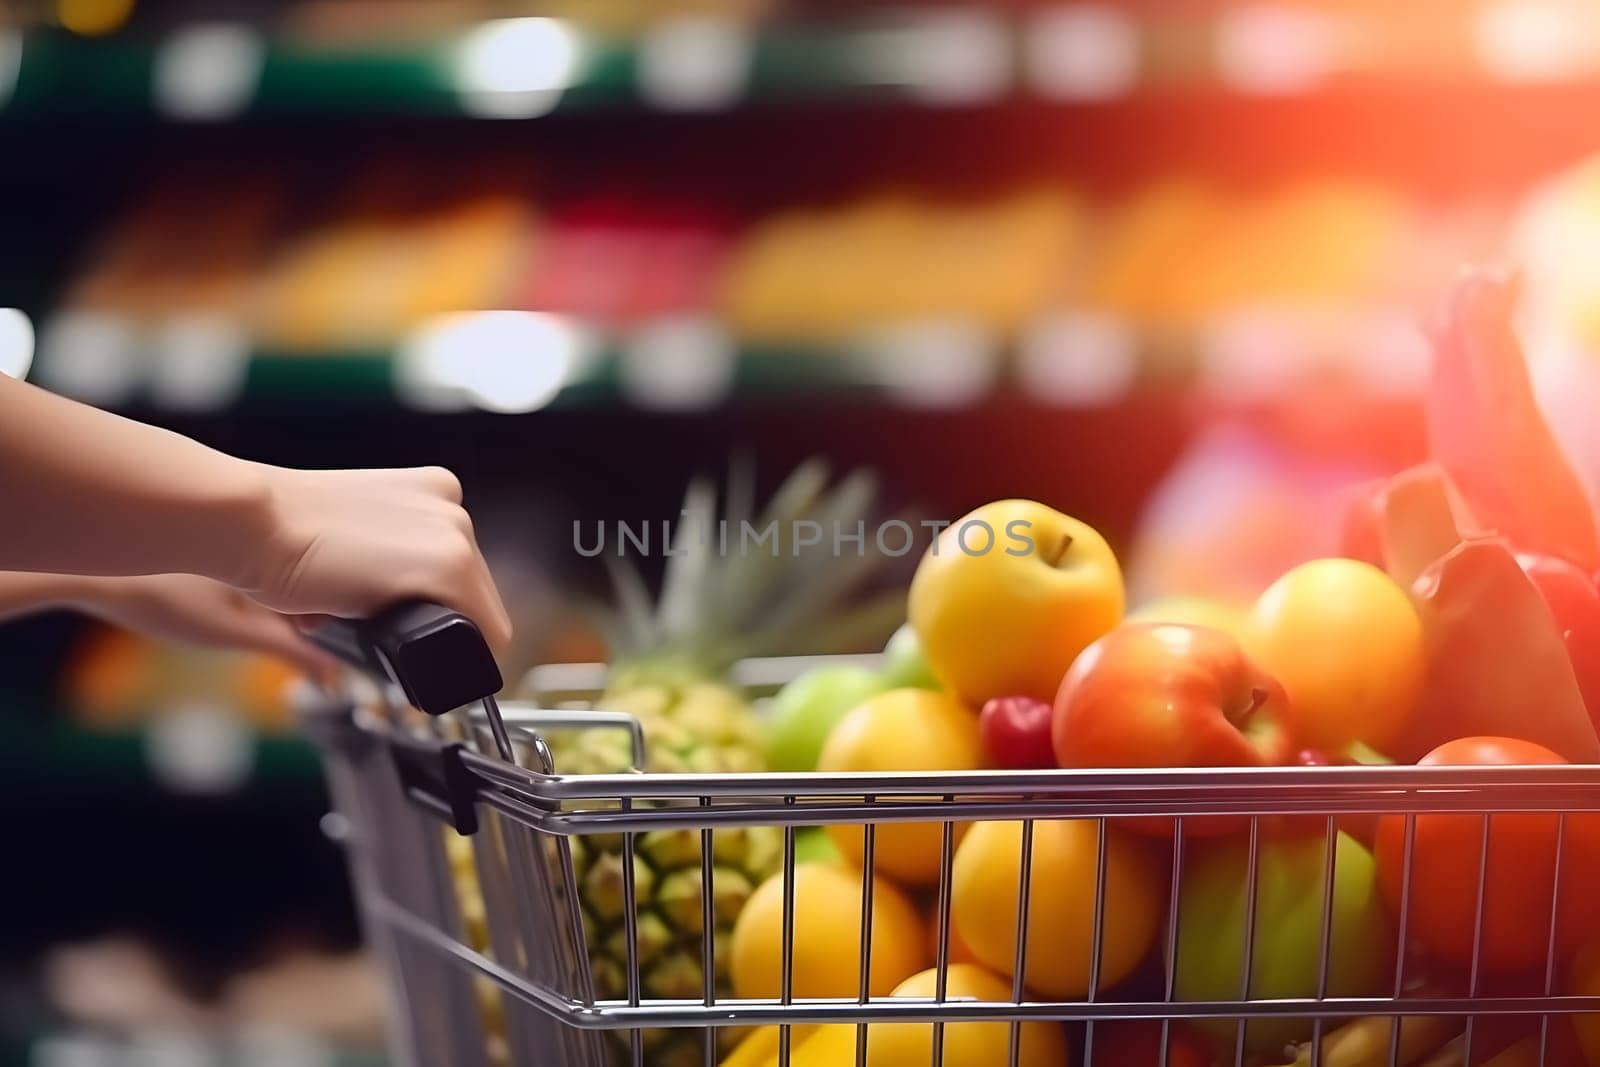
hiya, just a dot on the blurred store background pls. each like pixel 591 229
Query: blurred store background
pixel 1155 263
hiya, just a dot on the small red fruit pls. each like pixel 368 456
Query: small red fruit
pixel 1015 732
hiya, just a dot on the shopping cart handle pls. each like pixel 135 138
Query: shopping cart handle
pixel 437 656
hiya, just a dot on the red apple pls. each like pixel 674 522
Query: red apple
pixel 1169 695
pixel 1575 602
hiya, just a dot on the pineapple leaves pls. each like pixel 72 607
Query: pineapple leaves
pixel 634 623
pixel 783 582
pixel 853 628
pixel 799 490
pixel 819 575
pixel 689 568
pixel 751 569
pixel 741 503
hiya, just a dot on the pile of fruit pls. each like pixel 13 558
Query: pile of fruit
pixel 1462 627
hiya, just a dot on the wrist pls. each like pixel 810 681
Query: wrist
pixel 238 548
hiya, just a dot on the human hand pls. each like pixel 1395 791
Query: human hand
pixel 199 611
pixel 350 543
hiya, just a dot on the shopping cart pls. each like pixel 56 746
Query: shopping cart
pixel 402 779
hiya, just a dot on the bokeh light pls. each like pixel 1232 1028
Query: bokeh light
pixel 16 342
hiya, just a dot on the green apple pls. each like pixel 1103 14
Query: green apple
pixel 903 664
pixel 805 711
pixel 813 844
pixel 1288 928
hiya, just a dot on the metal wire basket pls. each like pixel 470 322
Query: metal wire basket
pixel 520 989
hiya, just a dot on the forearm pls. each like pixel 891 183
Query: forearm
pixel 24 592
pixel 86 492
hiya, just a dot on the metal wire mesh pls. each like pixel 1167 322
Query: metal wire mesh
pixel 521 989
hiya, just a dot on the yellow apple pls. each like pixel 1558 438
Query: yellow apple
pixel 1007 597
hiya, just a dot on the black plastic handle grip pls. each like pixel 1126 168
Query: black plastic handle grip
pixel 435 655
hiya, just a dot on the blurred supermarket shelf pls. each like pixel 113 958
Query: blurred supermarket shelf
pixel 509 68
pixel 121 999
pixel 937 56
pixel 480 288
pixel 192 754
pixel 517 362
pixel 88 1049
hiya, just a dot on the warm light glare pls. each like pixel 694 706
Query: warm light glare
pixel 1556 243
pixel 516 68
pixel 1537 40
pixel 1083 52
pixel 1392 353
pixel 16 343
pixel 505 361
pixel 1267 48
pixel 1256 352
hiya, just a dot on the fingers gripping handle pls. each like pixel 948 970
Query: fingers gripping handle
pixel 435 655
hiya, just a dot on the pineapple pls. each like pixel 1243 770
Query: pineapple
pixel 669 670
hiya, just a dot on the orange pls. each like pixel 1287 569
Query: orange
pixel 1043 1044
pixel 1061 910
pixel 902 730
pixel 827 936
pixel 958 951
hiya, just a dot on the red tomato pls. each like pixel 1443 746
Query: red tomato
pixel 1520 875
pixel 1015 732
